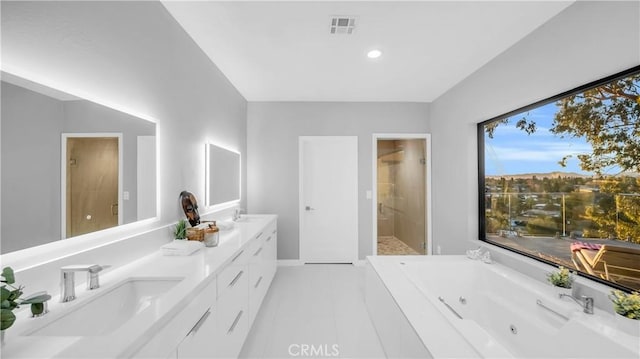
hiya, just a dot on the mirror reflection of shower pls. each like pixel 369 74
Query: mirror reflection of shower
pixel 401 197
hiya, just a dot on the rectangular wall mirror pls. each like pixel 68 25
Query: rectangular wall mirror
pixel 223 175
pixel 70 166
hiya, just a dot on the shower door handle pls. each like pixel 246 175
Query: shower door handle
pixel 309 208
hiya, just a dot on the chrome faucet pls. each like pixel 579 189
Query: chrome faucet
pixel 67 279
pixel 236 214
pixel 586 304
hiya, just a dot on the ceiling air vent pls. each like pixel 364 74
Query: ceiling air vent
pixel 343 25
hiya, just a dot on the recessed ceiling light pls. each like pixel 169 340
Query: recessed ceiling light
pixel 374 54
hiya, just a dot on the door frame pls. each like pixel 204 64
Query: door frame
pixel 427 177
pixel 301 203
pixel 63 175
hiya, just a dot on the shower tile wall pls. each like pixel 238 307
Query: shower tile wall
pixel 386 189
pixel 401 191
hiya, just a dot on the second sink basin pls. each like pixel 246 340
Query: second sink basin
pixel 108 311
pixel 250 218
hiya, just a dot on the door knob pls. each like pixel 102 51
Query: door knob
pixel 309 208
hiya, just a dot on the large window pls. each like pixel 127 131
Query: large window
pixel 560 180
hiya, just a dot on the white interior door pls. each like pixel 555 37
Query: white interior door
pixel 328 199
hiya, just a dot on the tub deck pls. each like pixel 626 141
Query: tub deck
pixel 505 314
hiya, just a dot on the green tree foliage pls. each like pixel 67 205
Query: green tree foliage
pixel 615 212
pixel 607 116
pixel 628 226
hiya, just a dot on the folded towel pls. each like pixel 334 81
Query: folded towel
pixel 181 248
pixel 576 246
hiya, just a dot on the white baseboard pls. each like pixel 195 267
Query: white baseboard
pixel 297 262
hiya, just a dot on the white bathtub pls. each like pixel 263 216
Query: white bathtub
pixel 506 314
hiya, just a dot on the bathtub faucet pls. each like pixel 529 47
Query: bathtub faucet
pixel 586 304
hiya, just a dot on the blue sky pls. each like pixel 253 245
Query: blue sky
pixel 513 151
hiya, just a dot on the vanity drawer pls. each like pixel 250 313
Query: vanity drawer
pixel 257 291
pixel 270 247
pixel 254 250
pixel 271 229
pixel 271 254
pixel 231 334
pixel 232 320
pixel 234 283
pixel 256 262
pixel 236 271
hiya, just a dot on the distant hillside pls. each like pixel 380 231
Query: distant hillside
pixel 555 174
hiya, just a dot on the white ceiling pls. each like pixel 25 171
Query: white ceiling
pixel 283 51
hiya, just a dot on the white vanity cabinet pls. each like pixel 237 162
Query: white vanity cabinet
pixel 188 333
pixel 240 287
pixel 262 267
pixel 233 302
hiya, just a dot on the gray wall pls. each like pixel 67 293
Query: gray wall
pixel 135 56
pixel 31 127
pixel 272 143
pixel 586 42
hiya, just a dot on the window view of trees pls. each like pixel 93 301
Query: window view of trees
pixel 562 180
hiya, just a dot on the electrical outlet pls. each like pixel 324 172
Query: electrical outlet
pixel 438 250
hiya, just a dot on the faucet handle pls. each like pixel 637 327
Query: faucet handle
pixel 236 213
pixel 93 281
pixel 588 304
pixel 91 268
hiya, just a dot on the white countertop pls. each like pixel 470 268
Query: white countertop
pixel 198 270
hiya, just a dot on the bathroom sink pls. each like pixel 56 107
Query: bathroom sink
pixel 108 311
pixel 249 218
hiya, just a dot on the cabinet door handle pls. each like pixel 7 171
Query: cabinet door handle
pixel 233 282
pixel 274 231
pixel 268 239
pixel 258 251
pixel 200 322
pixel 258 282
pixel 259 234
pixel 235 322
pixel 237 255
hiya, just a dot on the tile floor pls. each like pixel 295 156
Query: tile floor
pixel 319 305
pixel 394 246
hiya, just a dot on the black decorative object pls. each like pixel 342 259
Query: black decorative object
pixel 190 207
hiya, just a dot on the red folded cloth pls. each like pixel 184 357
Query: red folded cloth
pixel 576 246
